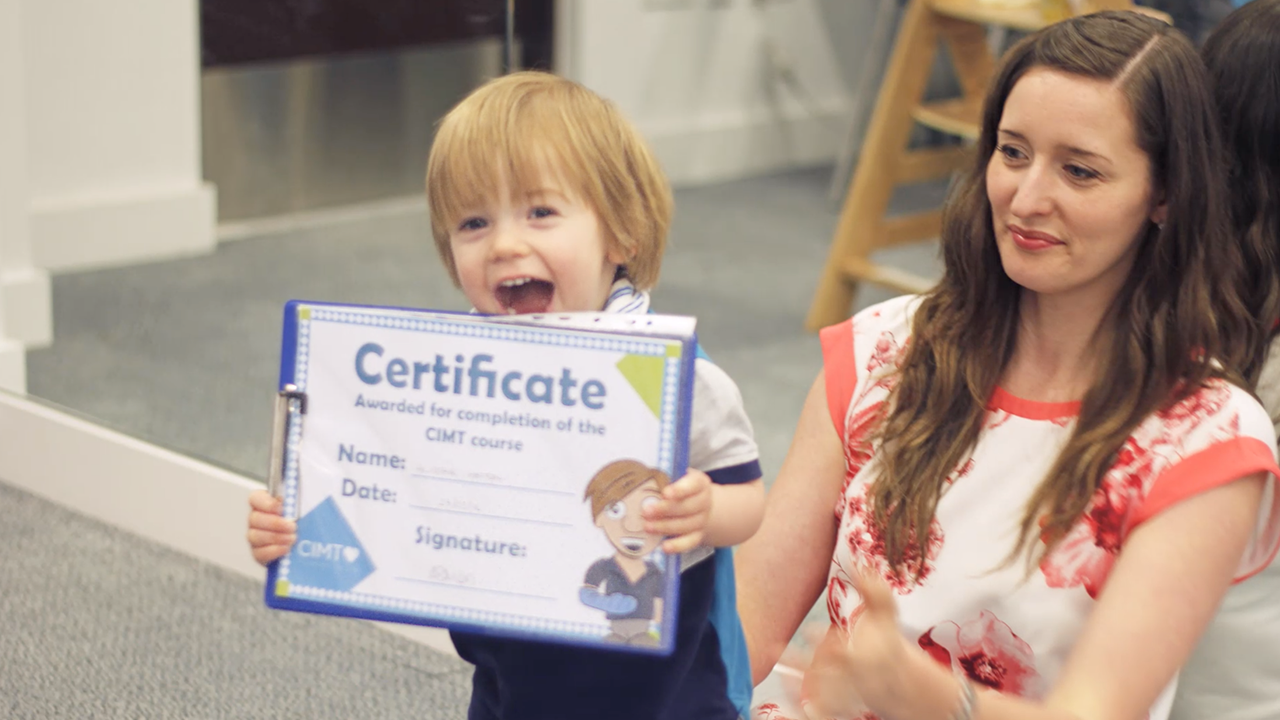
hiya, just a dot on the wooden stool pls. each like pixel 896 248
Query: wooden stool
pixel 885 162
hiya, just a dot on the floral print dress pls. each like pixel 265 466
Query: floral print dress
pixel 969 609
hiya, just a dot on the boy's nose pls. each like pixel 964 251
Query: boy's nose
pixel 508 243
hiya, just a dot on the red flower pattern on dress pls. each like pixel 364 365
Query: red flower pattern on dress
pixel 838 589
pixel 860 425
pixel 996 418
pixel 858 438
pixel 770 711
pixel 965 468
pixel 867 544
pixel 885 354
pixel 773 711
pixel 1197 406
pixel 1086 554
pixel 989 653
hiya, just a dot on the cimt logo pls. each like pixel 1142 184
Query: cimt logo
pixel 328 551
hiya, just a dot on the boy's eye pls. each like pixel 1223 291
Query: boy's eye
pixel 616 511
pixel 472 223
pixel 542 212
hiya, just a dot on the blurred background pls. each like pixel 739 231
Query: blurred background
pixel 173 171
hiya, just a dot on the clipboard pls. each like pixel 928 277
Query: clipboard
pixel 482 474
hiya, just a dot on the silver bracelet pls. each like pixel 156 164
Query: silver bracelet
pixel 968 698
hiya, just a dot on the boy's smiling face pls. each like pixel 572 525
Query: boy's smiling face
pixel 543 251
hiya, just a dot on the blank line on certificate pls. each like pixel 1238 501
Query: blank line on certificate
pixel 497 485
pixel 490 515
pixel 476 589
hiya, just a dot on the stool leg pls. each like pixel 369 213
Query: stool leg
pixel 970 55
pixel 859 230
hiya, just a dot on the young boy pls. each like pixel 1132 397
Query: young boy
pixel 545 199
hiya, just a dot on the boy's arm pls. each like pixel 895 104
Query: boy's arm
pixel 736 512
pixel 695 511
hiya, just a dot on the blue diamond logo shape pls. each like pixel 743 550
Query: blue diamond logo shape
pixel 328 554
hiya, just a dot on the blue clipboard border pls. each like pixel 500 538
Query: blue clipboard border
pixel 288 376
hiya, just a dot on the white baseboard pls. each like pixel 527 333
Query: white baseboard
pixel 28 307
pixel 13 368
pixel 160 495
pixel 96 232
pixel 235 230
pixel 716 149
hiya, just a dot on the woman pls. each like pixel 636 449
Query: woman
pixel 1234 673
pixel 992 446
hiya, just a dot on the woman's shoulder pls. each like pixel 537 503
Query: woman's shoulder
pixel 893 313
pixel 1217 412
pixel 870 340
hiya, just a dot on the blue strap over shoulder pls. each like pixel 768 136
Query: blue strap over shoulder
pixel 728 626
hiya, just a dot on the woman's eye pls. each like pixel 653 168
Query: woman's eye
pixel 1010 152
pixel 617 511
pixel 1080 173
pixel 541 212
pixel 473 223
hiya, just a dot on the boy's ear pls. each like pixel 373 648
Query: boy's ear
pixel 617 255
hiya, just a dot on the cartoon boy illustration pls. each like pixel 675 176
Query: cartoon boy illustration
pixel 626 586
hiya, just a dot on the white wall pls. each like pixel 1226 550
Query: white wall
pixel 112 95
pixel 696 77
pixel 24 291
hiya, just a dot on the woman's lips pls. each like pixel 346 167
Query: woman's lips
pixel 1032 240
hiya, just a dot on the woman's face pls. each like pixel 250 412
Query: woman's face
pixel 1070 190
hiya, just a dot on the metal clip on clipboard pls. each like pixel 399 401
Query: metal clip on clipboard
pixel 289 401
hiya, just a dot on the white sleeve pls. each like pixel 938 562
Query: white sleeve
pixel 720 435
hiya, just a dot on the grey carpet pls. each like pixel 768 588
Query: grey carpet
pixel 185 354
pixel 96 623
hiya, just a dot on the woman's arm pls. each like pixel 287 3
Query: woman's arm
pixel 783 568
pixel 1160 595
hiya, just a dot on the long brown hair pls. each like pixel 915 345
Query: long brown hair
pixel 1163 323
pixel 1243 55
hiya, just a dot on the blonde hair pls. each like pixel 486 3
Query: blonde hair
pixel 519 127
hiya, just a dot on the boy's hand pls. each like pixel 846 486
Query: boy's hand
pixel 270 536
pixel 682 513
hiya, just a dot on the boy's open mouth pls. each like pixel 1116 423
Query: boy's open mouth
pixel 634 545
pixel 525 295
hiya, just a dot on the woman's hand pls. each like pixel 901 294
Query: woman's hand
pixel 873 667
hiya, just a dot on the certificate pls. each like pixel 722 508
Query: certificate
pixel 482 474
